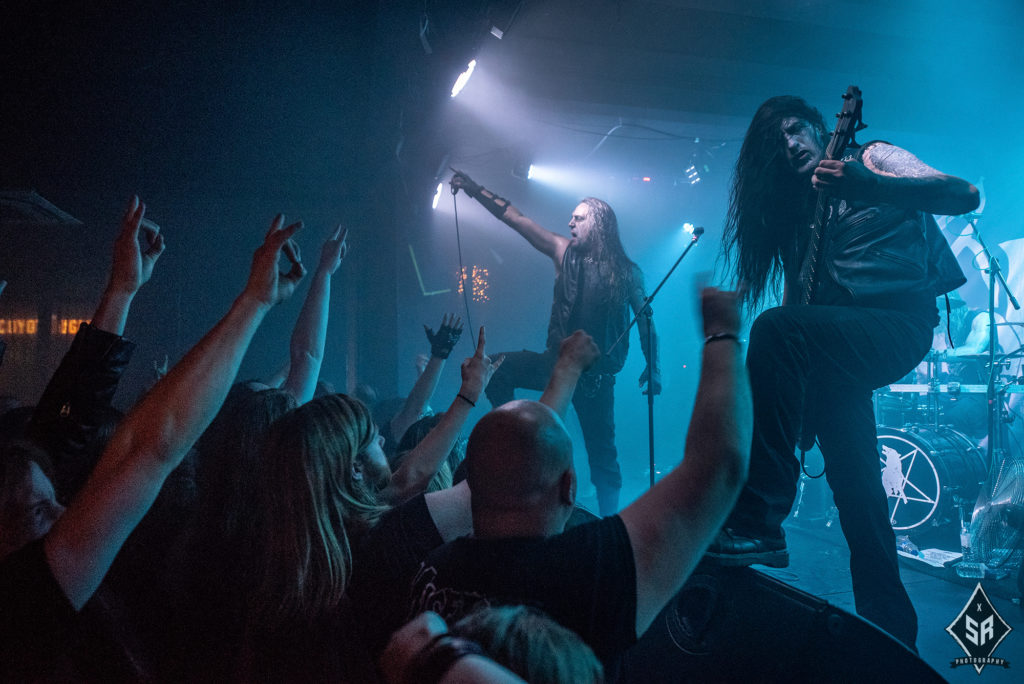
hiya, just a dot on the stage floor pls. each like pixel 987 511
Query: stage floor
pixel 819 565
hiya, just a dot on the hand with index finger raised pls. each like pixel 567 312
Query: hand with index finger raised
pixel 265 283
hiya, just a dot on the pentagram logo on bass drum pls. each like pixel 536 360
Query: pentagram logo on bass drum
pixel 979 629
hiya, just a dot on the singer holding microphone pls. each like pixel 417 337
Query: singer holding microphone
pixel 596 285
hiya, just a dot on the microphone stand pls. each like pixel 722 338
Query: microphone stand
pixel 646 312
pixel 994 406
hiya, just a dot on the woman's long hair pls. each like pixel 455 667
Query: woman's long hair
pixel 617 269
pixel 310 505
pixel 767 201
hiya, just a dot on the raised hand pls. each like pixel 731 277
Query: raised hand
pixel 443 341
pixel 265 283
pixel 135 256
pixel 578 350
pixel 477 370
pixel 334 250
pixel 720 311
pixel 462 181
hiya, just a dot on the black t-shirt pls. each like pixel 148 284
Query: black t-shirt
pixel 43 638
pixel 385 563
pixel 584 578
pixel 36 617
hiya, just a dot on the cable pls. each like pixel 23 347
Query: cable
pixel 462 269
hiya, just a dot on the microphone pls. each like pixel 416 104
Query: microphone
pixel 698 231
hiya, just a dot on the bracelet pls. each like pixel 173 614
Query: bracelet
pixel 438 656
pixel 466 399
pixel 723 336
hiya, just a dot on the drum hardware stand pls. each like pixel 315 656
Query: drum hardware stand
pixel 995 430
pixel 645 310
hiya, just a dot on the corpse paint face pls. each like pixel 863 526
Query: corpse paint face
pixel 802 146
pixel 581 226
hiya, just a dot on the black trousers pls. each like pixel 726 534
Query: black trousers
pixel 834 356
pixel 594 402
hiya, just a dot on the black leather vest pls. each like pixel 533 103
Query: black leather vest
pixel 879 255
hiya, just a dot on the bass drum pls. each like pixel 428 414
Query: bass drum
pixel 923 469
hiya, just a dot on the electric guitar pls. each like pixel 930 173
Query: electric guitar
pixel 849 122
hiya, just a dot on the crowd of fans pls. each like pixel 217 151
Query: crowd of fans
pixel 278 531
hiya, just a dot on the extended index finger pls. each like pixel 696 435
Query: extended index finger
pixel 480 340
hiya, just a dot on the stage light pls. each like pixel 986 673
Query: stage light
pixel 463 78
pixel 692 175
pixel 437 195
pixel 688 228
pixel 522 169
pixel 646 179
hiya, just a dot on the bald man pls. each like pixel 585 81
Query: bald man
pixel 606 580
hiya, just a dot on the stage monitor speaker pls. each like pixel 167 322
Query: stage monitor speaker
pixel 740 625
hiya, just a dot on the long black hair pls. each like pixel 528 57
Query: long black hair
pixel 620 271
pixel 767 201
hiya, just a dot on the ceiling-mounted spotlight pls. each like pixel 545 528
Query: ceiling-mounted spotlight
pixel 437 195
pixel 522 169
pixel 463 78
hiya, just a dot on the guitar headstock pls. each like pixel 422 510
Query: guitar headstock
pixel 849 123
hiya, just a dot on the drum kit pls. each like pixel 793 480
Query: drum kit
pixel 932 442
pixel 932 439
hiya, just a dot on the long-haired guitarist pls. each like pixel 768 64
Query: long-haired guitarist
pixel 847 230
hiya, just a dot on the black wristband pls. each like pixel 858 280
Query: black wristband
pixel 437 657
pixel 491 203
pixel 466 399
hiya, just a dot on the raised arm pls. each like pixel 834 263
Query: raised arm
pixel 441 344
pixel 310 333
pixel 671 525
pixel 154 437
pixel 542 239
pixel 892 175
pixel 80 391
pixel 576 354
pixel 416 470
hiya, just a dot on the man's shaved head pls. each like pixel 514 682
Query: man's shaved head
pixel 516 455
